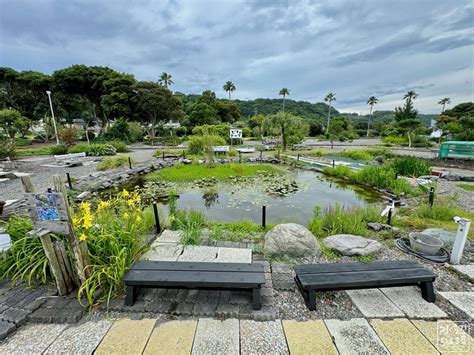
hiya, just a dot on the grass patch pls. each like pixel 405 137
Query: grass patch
pixel 356 155
pixel 221 172
pixel 313 152
pixel 113 163
pixel 410 166
pixel 41 150
pixel 467 187
pixel 236 231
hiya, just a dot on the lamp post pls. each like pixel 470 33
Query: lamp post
pixel 52 115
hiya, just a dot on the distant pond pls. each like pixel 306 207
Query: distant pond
pixel 243 198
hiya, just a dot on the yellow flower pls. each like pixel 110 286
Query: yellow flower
pixel 75 220
pixel 125 193
pixel 131 202
pixel 138 219
pixel 126 216
pixel 83 237
pixel 103 205
pixel 85 207
pixel 172 218
pixel 87 222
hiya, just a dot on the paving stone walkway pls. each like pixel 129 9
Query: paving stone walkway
pixel 233 336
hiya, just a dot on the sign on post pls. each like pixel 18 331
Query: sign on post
pixel 235 133
pixel 48 211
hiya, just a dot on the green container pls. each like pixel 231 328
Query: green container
pixel 457 150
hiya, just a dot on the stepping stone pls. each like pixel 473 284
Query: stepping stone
pixel 374 304
pixel 350 245
pixel 400 336
pixel 82 338
pixel 168 252
pixel 310 337
pixel 262 337
pixel 214 336
pixel 199 253
pixel 32 339
pixel 174 337
pixel 126 336
pixel 466 270
pixel 234 255
pixel 446 335
pixel 461 300
pixel 168 236
pixel 409 300
pixel 355 336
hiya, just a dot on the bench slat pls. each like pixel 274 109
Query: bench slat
pixel 373 278
pixel 352 267
pixel 193 278
pixel 196 266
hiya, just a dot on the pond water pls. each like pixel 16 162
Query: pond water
pixel 243 199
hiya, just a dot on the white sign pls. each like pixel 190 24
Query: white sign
pixel 235 133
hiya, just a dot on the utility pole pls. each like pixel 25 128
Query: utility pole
pixel 52 115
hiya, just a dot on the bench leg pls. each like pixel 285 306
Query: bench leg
pixel 427 291
pixel 131 295
pixel 257 300
pixel 309 296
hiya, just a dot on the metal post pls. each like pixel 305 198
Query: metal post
pixel 240 157
pixel 261 154
pixel 264 216
pixel 333 163
pixel 298 157
pixel 389 217
pixel 431 198
pixel 157 218
pixel 184 155
pixel 129 162
pixel 163 155
pixel 396 176
pixel 69 180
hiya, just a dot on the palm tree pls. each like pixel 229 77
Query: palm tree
pixel 371 101
pixel 229 87
pixel 283 92
pixel 410 95
pixel 329 98
pixel 165 79
pixel 444 102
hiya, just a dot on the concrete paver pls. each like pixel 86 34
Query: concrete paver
pixel 409 300
pixel 262 337
pixel 174 337
pixel 214 336
pixel 199 253
pixel 168 236
pixel 467 270
pixel 168 252
pixel 355 336
pixel 462 300
pixel 400 336
pixel 31 339
pixel 234 255
pixel 446 335
pixel 374 304
pixel 310 337
pixel 80 339
pixel 126 336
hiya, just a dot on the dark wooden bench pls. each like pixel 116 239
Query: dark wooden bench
pixel 170 274
pixel 347 276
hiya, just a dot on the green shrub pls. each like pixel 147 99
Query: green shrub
pixel 410 166
pixel 7 149
pixel 190 223
pixel 58 149
pixel 113 163
pixel 397 140
pixel 357 155
pixel 119 130
pixel 135 132
pixel 341 220
pixel 120 147
pixel 198 144
pixel 95 149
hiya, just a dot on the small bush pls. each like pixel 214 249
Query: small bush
pixel 95 149
pixel 190 223
pixel 120 147
pixel 7 149
pixel 198 144
pixel 135 132
pixel 357 155
pixel 58 149
pixel 113 163
pixel 410 166
pixel 397 140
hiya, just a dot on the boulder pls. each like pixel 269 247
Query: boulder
pixel 379 159
pixel 378 226
pixel 446 236
pixel 292 240
pixel 352 245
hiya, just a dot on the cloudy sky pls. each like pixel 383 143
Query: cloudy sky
pixel 353 48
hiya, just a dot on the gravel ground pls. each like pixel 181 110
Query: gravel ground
pixel 466 198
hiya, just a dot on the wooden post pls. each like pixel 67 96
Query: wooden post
pixel 79 250
pixel 61 255
pixel 27 184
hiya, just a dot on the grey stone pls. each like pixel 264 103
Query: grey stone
pixel 374 304
pixel 292 240
pixel 355 336
pixel 158 306
pixel 185 309
pixel 6 328
pixel 461 300
pixel 204 309
pixel 466 270
pixel 351 245
pixel 444 235
pixel 409 300
pixel 169 236
pixel 234 255
pixel 216 337
pixel 56 315
pixel 169 252
pixel 198 254
pixel 240 297
pixel 15 315
pixel 227 310
pixel 262 337
pixel 378 226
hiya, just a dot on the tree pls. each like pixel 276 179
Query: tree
pixel 12 122
pixel 229 87
pixel 371 101
pixel 406 120
pixel 154 104
pixel 284 92
pixel 444 102
pixel 165 79
pixel 256 121
pixel 329 98
pixel 292 128
pixel 227 111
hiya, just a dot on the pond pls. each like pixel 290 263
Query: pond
pixel 243 198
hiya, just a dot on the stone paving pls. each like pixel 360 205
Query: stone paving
pixel 464 301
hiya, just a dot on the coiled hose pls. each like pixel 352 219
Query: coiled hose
pixel 442 256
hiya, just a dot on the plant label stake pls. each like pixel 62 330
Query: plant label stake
pixel 129 162
pixel 460 240
pixel 298 158
pixel 69 180
pixel 388 211
pixel 157 218
pixel 264 216
pixel 163 155
pixel 431 198
pixel 261 153
pixel 240 157
pixel 333 163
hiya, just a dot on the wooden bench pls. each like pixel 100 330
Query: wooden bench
pixel 347 276
pixel 194 275
pixel 69 159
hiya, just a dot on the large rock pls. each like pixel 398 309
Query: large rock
pixel 291 239
pixel 444 235
pixel 352 245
